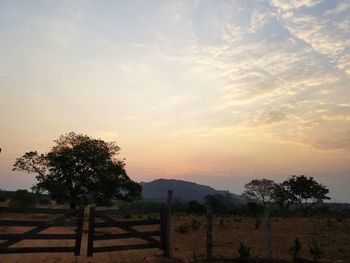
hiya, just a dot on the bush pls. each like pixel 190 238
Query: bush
pixel 187 227
pixel 23 198
pixel 244 252
pixel 295 250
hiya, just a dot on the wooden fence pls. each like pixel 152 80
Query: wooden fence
pixel 64 220
pixel 106 216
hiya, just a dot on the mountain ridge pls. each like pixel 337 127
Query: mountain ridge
pixel 183 190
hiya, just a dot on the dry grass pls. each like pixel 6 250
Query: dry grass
pixel 333 236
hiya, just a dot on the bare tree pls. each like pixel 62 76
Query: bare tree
pixel 260 191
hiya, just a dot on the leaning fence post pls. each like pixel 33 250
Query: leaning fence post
pixel 209 233
pixel 90 246
pixel 168 247
pixel 80 216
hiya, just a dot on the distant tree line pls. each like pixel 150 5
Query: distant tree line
pixel 80 170
pixel 24 198
pixel 298 191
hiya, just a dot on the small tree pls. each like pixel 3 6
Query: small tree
pixel 304 191
pixel 80 170
pixel 259 191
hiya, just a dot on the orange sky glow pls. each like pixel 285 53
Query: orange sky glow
pixel 216 92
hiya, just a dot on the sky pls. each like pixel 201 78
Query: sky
pixel 215 92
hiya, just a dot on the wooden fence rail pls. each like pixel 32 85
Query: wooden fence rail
pixel 127 226
pixel 41 225
pixel 150 236
pixel 157 238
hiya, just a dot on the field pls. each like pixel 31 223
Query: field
pixel 332 234
pixel 189 241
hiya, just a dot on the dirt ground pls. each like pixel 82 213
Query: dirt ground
pixel 333 236
pixel 189 246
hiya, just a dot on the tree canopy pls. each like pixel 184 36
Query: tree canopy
pixel 259 191
pixel 303 191
pixel 80 170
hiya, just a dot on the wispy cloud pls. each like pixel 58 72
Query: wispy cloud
pixel 280 69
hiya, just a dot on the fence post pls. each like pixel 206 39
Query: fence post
pixel 209 233
pixel 80 216
pixel 168 247
pixel 90 246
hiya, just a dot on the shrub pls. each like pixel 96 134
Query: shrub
pixel 295 250
pixel 315 250
pixel 244 251
pixel 23 198
pixel 187 227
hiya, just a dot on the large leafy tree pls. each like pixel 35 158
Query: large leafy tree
pixel 282 197
pixel 303 191
pixel 80 170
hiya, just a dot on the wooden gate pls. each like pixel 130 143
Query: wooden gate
pixel 155 238
pixel 65 218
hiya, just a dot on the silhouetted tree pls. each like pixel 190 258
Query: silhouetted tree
pixel 304 191
pixel 259 191
pixel 80 170
pixel 282 197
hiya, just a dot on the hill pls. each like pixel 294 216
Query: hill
pixel 183 190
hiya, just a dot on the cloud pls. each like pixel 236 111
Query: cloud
pixel 259 67
pixel 280 71
pixel 327 31
pixel 286 5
